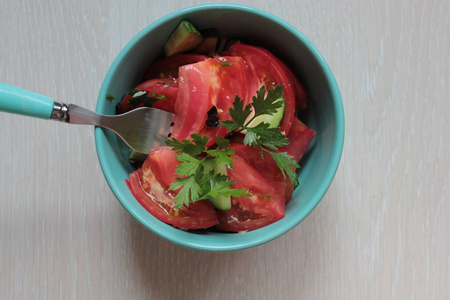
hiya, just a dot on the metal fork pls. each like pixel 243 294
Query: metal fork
pixel 141 129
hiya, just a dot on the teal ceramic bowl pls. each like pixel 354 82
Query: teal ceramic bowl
pixel 325 115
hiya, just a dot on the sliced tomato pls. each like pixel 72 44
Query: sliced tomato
pixel 300 137
pixel 267 167
pixel 155 87
pixel 204 85
pixel 300 91
pixel 265 206
pixel 270 72
pixel 235 79
pixel 168 67
pixel 149 185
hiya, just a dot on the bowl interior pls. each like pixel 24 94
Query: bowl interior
pixel 325 115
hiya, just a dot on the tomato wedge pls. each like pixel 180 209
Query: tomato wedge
pixel 300 137
pixel 269 72
pixel 300 91
pixel 157 87
pixel 265 206
pixel 204 85
pixel 150 184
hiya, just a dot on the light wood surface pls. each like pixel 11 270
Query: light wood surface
pixel 381 231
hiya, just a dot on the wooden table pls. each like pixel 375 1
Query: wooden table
pixel 381 232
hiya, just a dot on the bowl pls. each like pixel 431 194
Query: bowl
pixel 325 115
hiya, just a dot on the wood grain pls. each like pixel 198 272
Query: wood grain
pixel 381 232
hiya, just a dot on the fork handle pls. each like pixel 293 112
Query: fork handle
pixel 22 102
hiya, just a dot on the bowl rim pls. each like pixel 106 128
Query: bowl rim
pixel 325 182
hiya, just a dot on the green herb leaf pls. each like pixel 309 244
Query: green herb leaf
pixel 222 156
pixel 188 166
pixel 226 63
pixel 220 186
pixel 238 113
pixel 193 147
pixel 268 105
pixel 286 163
pixel 110 98
pixel 190 191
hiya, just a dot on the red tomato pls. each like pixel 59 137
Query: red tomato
pixel 300 92
pixel 166 87
pixel 149 185
pixel 265 206
pixel 203 85
pixel 267 167
pixel 300 138
pixel 270 72
pixel 168 67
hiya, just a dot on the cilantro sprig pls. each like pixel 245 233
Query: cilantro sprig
pixel 268 140
pixel 195 182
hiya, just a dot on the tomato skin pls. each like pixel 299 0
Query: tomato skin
pixel 270 72
pixel 165 86
pixel 167 67
pixel 149 185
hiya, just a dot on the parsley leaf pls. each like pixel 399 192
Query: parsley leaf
pixel 196 146
pixel 239 113
pixel 261 136
pixel 285 162
pixel 196 183
pixel 190 191
pixel 268 105
pixel 188 166
pixel 220 186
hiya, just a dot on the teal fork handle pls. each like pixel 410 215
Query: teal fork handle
pixel 22 102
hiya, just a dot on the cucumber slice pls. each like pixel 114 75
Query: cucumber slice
pixel 185 38
pixel 274 120
pixel 137 156
pixel 219 202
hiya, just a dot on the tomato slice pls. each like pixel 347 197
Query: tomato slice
pixel 168 67
pixel 204 85
pixel 156 87
pixel 265 206
pixel 269 72
pixel 235 79
pixel 300 91
pixel 149 185
pixel 267 167
pixel 300 137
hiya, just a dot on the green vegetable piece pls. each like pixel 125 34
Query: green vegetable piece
pixel 220 202
pixel 135 156
pixel 185 38
pixel 273 120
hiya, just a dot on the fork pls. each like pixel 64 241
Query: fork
pixel 142 129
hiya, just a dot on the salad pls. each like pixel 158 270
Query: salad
pixel 230 160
